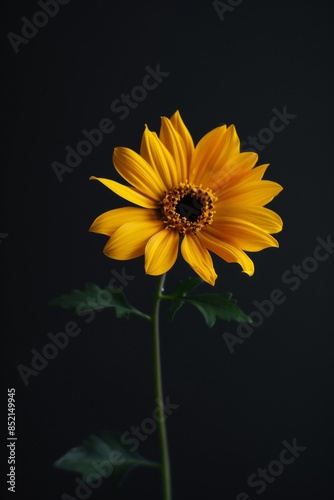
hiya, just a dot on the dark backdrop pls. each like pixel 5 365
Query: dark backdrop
pixel 240 64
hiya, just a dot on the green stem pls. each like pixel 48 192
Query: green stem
pixel 165 467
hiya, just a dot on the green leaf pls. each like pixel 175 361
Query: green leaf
pixel 211 305
pixel 103 455
pixel 218 305
pixel 181 291
pixel 186 286
pixel 94 298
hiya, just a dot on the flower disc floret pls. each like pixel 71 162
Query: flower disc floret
pixel 188 207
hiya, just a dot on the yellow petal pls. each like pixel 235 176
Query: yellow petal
pixel 110 221
pixel 259 216
pixel 227 173
pixel 198 258
pixel 257 173
pixel 226 251
pixel 157 155
pixel 242 234
pixel 180 127
pixel 129 241
pixel 161 252
pixel 132 167
pixel 175 145
pixel 239 179
pixel 127 192
pixel 250 193
pixel 212 151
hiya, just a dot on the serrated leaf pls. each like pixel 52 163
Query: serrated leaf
pixel 218 305
pixel 94 298
pixel 181 291
pixel 103 455
pixel 184 287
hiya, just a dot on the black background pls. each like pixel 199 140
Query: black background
pixel 235 409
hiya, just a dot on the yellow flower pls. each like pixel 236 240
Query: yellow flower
pixel 210 197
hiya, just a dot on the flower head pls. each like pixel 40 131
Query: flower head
pixel 209 197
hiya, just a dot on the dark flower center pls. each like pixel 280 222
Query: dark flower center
pixel 187 207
